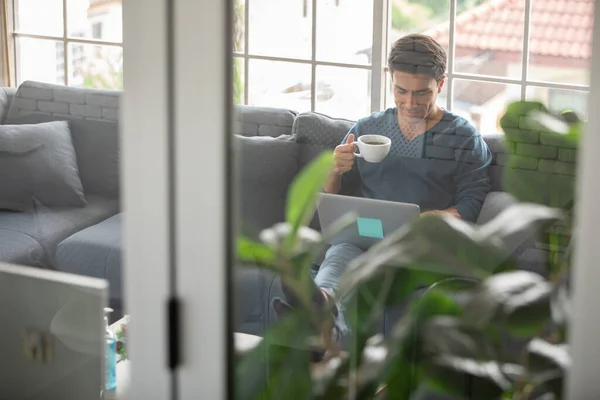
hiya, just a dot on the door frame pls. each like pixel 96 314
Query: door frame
pixel 176 125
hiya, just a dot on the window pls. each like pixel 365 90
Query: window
pixel 70 42
pixel 505 50
pixel 321 57
pixel 97 30
pixel 329 55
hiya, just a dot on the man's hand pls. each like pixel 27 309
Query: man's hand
pixel 343 156
pixel 451 211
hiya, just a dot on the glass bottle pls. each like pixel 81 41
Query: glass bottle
pixel 111 354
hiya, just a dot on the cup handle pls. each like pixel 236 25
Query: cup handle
pixel 357 144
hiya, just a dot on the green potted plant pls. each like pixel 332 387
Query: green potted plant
pixel 453 336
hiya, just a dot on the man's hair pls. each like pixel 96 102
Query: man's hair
pixel 418 54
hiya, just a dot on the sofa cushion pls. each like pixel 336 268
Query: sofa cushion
pixel 50 226
pixel 263 121
pixel 96 144
pixel 266 166
pixel 318 132
pixel 38 165
pixel 92 116
pixel 494 204
pixel 6 96
pixel 19 248
pixel 94 251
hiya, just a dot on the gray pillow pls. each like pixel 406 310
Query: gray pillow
pixel 38 166
pixel 265 167
pixel 96 144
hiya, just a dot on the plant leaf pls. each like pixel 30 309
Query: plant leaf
pixel 426 392
pixel 449 336
pixel 405 336
pixel 445 246
pixel 553 190
pixel 548 363
pixel 489 299
pixel 529 311
pixel 519 223
pixel 485 380
pixel 543 355
pixel 254 252
pixel 302 196
pixel 279 367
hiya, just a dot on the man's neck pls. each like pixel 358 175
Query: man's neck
pixel 412 130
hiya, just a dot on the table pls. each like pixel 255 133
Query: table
pixel 243 343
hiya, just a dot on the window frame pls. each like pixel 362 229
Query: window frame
pixel 380 45
pixel 379 41
pixel 381 28
pixel 65 39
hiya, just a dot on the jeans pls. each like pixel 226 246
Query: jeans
pixel 336 261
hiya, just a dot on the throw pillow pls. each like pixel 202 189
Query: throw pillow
pixel 318 132
pixel 38 166
pixel 265 167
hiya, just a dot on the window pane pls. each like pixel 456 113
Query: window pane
pixel 40 60
pixel 489 38
pixel 279 84
pixel 559 100
pixel 343 92
pixel 238 80
pixel 94 66
pixel 40 17
pixel 239 29
pixel 389 98
pixel 483 103
pixel 345 31
pixel 430 17
pixel 95 19
pixel 281 28
pixel 561 37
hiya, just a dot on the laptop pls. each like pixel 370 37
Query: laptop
pixel 51 334
pixel 375 219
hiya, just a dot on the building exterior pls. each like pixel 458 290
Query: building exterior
pixel 489 41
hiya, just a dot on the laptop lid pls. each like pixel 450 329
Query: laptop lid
pixel 51 334
pixel 375 219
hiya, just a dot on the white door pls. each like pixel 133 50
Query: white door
pixel 175 118
pixel 177 179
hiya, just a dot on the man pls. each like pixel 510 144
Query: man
pixel 438 160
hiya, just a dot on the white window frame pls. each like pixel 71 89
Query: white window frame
pixel 381 29
pixel 65 39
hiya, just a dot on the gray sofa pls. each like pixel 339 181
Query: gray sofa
pixel 272 145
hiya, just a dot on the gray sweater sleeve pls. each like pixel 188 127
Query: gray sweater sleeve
pixel 472 182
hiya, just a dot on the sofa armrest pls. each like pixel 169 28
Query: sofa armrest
pixel 494 204
pixel 6 97
pixel 254 288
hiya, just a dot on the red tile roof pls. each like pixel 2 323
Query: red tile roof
pixel 559 28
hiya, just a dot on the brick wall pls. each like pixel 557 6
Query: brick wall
pixel 60 101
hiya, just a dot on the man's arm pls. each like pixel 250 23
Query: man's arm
pixel 343 157
pixel 333 184
pixel 452 211
pixel 472 180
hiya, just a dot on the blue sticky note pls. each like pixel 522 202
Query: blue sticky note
pixel 369 227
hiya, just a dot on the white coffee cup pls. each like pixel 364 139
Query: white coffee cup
pixel 373 148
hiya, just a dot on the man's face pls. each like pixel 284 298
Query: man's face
pixel 415 95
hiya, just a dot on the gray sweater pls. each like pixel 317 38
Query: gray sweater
pixel 445 167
